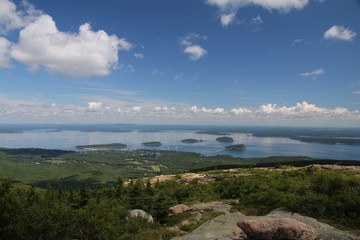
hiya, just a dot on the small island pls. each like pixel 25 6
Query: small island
pixel 225 139
pixel 191 140
pixel 152 144
pixel 236 147
pixel 109 146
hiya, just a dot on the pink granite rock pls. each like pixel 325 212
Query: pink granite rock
pixel 179 208
pixel 277 228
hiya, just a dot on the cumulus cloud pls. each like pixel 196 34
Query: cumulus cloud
pixel 226 19
pixel 298 109
pixel 81 55
pixel 95 106
pixel 195 52
pixel 280 5
pixel 165 109
pixel 5 53
pixel 196 109
pixel 240 111
pixel 11 18
pixel 313 73
pixel 340 33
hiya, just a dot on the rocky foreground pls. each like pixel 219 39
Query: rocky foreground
pixel 280 224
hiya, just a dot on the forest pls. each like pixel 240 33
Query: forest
pixel 28 212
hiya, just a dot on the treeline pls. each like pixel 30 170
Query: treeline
pixel 103 213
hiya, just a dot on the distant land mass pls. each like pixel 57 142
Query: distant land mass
pixel 109 146
pixel 191 140
pixel 225 139
pixel 236 147
pixel 210 132
pixel 325 135
pixel 152 144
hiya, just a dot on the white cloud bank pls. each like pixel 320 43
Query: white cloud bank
pixel 301 114
pixel 340 33
pixel 84 54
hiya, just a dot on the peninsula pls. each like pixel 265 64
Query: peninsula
pixel 236 147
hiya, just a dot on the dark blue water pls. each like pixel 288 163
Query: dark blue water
pixel 171 140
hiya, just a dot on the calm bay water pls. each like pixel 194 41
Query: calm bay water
pixel 256 146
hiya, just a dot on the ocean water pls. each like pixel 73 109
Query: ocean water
pixel 171 140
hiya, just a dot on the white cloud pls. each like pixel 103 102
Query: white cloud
pixel 5 53
pixel 166 109
pixel 340 32
pixel 257 20
pixel 113 110
pixel 81 55
pixel 195 52
pixel 356 92
pixel 280 5
pixel 196 109
pixel 136 108
pixel 226 19
pixel 240 111
pixel 95 106
pixel 11 18
pixel 303 108
pixel 139 55
pixel 313 73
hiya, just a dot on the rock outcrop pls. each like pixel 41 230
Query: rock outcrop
pixel 280 224
pixel 222 227
pixel 276 228
pixel 211 207
pixel 141 213
pixel 180 208
pixel 325 231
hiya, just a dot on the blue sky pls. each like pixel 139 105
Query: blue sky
pixel 216 62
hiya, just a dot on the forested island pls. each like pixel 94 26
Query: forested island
pixel 191 140
pixel 152 144
pixel 225 139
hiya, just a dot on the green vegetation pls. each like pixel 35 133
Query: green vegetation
pixel 236 147
pixel 108 146
pixel 225 139
pixel 70 169
pixel 103 212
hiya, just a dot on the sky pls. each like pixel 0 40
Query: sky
pixel 203 62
